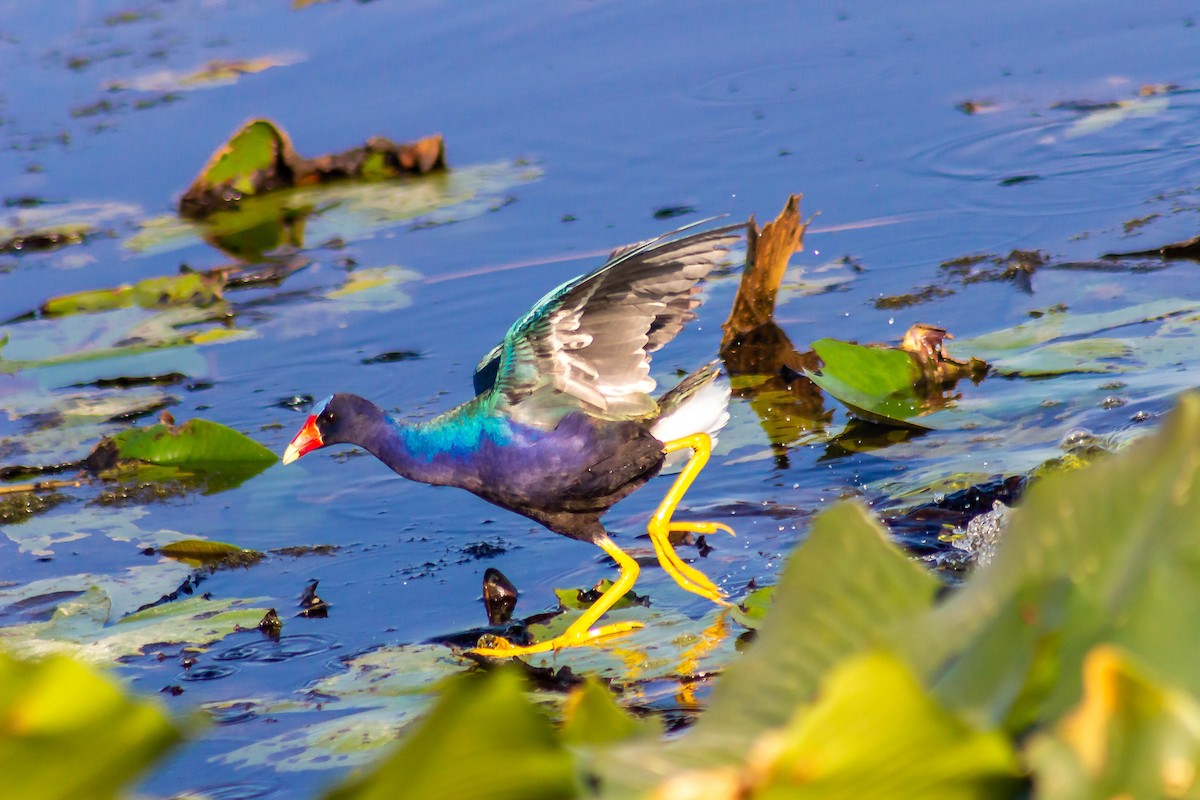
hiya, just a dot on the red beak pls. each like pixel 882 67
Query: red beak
pixel 307 440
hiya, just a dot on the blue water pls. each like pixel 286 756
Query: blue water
pixel 625 108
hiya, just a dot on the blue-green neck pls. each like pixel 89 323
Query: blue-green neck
pixel 441 450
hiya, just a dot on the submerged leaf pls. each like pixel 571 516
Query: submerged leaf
pixel 67 732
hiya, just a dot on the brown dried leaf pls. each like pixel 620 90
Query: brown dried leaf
pixel 924 343
pixel 767 256
pixel 259 158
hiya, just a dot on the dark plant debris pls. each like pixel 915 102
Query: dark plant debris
pixel 392 356
pixel 670 212
pixel 20 506
pixel 310 604
pixel 39 241
pixel 499 597
pixel 259 158
pixel 923 295
pixel 1017 267
pixel 271 624
pixel 131 381
pixel 1189 250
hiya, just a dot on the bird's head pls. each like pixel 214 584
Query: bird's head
pixel 340 419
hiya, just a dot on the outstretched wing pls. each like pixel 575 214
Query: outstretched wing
pixel 588 342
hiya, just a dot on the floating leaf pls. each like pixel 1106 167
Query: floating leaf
pixel 997 346
pixel 254 160
pixel 190 288
pixel 202 551
pixel 259 159
pixel 752 609
pixel 197 442
pixel 67 732
pixel 580 599
pixel 375 289
pixel 455 752
pixel 79 627
pixel 877 384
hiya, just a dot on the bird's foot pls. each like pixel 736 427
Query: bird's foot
pixel 492 646
pixel 687 576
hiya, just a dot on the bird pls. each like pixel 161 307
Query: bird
pixel 563 424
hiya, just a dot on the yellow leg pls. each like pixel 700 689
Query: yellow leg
pixel 661 525
pixel 581 630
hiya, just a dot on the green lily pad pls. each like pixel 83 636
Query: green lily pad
pixel 197 442
pixel 199 552
pixel 877 384
pixel 68 732
pixel 191 288
pixel 247 163
pixel 752 609
pixel 80 627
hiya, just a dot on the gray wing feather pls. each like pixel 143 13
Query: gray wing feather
pixel 592 337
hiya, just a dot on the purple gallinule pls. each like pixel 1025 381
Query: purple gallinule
pixel 563 425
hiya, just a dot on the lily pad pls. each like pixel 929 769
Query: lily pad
pixel 190 288
pixel 877 384
pixel 197 442
pixel 201 552
pixel 80 628
pixel 259 158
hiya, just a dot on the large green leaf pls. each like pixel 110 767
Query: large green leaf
pixel 241 163
pixel 68 732
pixel 1131 736
pixel 875 732
pixel 878 384
pixel 483 739
pixel 195 442
pixel 1121 534
pixel 846 589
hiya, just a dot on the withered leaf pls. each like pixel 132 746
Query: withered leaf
pixel 259 158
